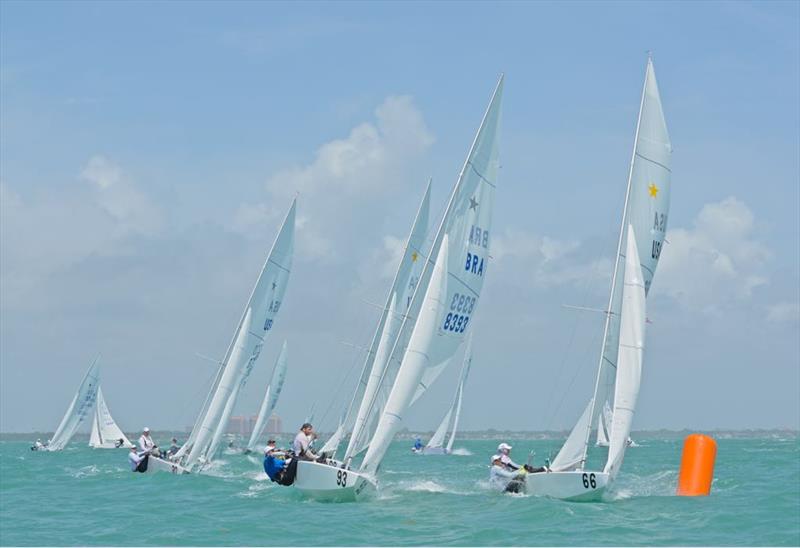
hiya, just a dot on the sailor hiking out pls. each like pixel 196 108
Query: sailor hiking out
pixel 138 462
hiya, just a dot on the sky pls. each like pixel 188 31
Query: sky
pixel 148 152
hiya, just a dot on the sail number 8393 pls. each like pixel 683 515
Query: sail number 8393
pixel 460 309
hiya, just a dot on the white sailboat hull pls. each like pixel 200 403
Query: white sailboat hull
pixel 574 485
pixel 155 464
pixel 432 451
pixel 329 483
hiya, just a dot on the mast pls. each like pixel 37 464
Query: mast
pixel 609 312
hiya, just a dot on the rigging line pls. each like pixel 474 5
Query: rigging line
pixel 357 358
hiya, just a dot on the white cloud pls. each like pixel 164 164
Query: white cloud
pixel 717 262
pixel 783 312
pixel 120 198
pixel 544 261
pixel 345 191
pixel 51 232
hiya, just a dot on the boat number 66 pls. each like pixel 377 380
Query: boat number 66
pixel 341 478
pixel 589 480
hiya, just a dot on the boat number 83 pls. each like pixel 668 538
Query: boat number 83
pixel 341 478
pixel 589 481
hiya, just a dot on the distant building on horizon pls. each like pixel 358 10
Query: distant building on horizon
pixel 274 424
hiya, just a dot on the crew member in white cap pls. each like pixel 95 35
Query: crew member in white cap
pixel 504 450
pixel 146 443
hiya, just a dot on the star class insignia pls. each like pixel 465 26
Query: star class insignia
pixel 473 203
pixel 414 257
pixel 653 189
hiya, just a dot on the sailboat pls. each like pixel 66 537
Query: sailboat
pixel 436 445
pixel 105 432
pixel 604 421
pixel 257 320
pixel 644 224
pixel 79 409
pixel 270 398
pixel 430 332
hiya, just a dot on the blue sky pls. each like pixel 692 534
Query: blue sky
pixel 148 152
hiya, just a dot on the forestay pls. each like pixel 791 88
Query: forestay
pixel 80 407
pixel 450 285
pixel 371 391
pixel 631 347
pixel 270 397
pixel 257 319
pixel 105 432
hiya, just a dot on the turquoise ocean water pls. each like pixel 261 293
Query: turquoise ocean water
pixel 89 497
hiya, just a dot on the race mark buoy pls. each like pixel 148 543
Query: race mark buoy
pixel 697 466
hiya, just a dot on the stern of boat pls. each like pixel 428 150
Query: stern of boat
pixel 330 483
pixel 574 485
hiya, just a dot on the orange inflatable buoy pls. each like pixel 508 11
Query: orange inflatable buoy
pixel 697 465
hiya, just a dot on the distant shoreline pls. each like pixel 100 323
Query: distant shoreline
pixel 483 434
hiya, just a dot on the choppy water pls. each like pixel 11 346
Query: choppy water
pixel 89 497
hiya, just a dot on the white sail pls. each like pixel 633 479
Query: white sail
pixel 647 211
pixel 603 423
pixel 335 439
pixel 460 396
pixel 271 397
pixel 629 365
pixel 372 392
pixel 437 440
pixel 571 453
pixel 449 289
pixel 105 432
pixel 257 319
pixel 79 409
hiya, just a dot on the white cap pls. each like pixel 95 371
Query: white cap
pixel 497 457
pixel 145 429
pixel 503 446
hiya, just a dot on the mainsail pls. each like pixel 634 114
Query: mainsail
pixel 79 408
pixel 271 397
pixel 370 392
pixel 450 285
pixel 105 432
pixel 257 319
pixel 631 347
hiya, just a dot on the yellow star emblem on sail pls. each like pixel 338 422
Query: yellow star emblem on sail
pixel 653 190
pixel 414 257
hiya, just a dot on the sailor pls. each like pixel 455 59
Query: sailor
pixel 417 445
pixel 504 451
pixel 119 443
pixel 173 448
pixel 138 462
pixel 302 443
pixel 38 446
pixel 502 477
pixel 279 466
pixel 146 443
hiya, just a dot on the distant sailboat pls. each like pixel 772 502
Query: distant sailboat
pixel 270 398
pixel 644 225
pixel 604 421
pixel 79 409
pixel 105 432
pixel 436 445
pixel 440 310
